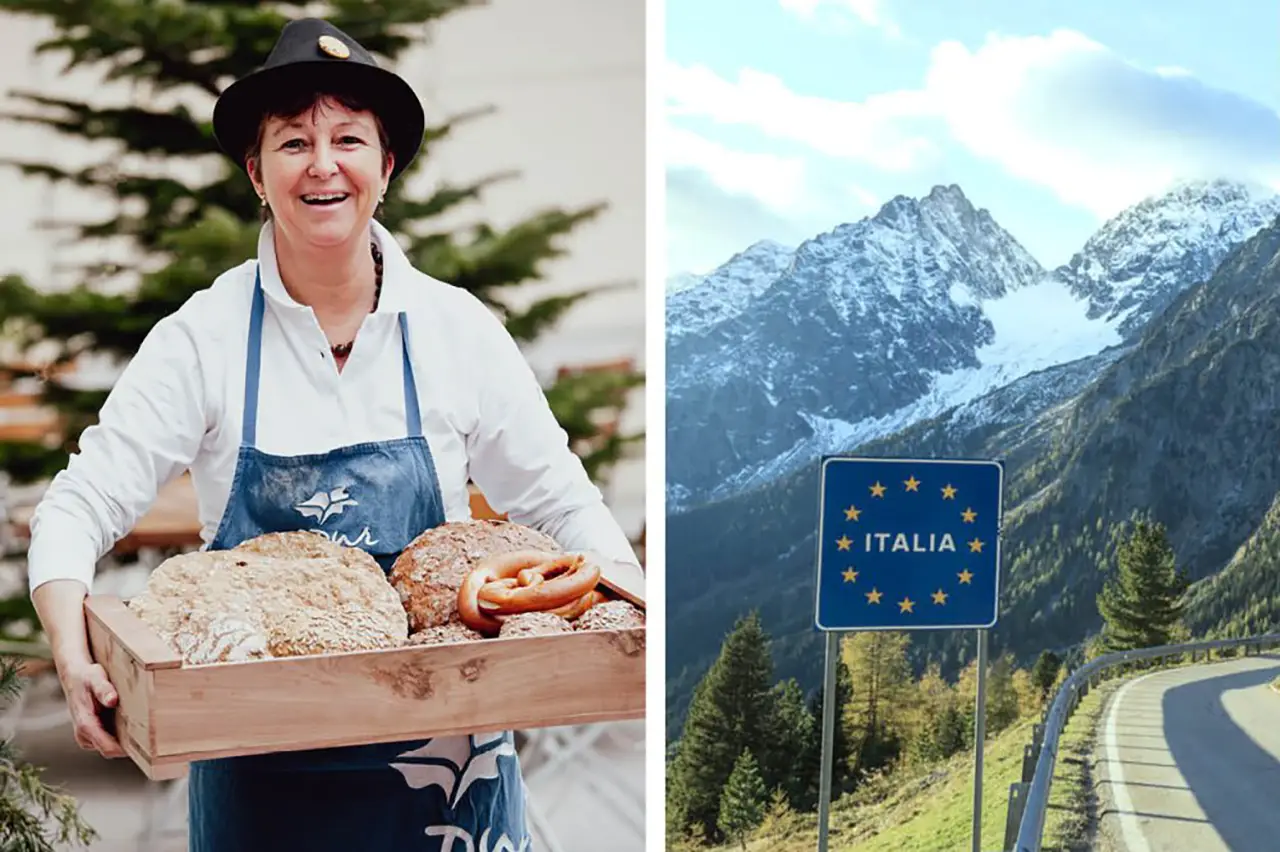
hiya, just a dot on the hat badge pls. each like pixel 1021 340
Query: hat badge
pixel 334 47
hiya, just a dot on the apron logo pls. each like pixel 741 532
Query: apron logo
pixel 454 763
pixel 454 835
pixel 323 505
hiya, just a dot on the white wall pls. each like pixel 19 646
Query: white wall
pixel 566 78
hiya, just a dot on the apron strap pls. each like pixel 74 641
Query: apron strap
pixel 253 367
pixel 412 414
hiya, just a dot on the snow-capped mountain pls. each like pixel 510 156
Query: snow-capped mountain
pixel 1140 260
pixel 702 302
pixel 682 281
pixel 897 318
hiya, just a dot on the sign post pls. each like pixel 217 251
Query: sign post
pixel 906 544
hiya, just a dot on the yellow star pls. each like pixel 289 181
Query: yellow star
pixel 873 596
pixel 905 605
pixel 975 546
pixel 852 513
pixel 968 515
pixel 940 597
pixel 877 490
pixel 965 576
pixel 843 542
pixel 949 492
pixel 850 575
pixel 912 484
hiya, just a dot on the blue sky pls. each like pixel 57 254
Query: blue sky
pixel 788 117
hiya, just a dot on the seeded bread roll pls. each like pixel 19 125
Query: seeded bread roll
pixel 454 631
pixel 533 624
pixel 610 615
pixel 430 570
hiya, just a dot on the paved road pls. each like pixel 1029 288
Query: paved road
pixel 1189 760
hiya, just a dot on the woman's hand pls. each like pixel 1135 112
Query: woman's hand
pixel 60 604
pixel 89 691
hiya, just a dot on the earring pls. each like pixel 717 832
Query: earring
pixel 263 199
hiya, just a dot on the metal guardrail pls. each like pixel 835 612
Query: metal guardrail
pixel 1029 798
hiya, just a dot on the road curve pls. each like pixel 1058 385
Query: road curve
pixel 1189 760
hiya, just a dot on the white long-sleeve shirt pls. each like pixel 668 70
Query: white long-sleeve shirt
pixel 178 406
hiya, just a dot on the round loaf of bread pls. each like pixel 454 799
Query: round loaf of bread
pixel 533 624
pixel 454 631
pixel 232 605
pixel 305 544
pixel 429 572
pixel 610 615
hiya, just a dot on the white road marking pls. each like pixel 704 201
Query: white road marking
pixel 1134 839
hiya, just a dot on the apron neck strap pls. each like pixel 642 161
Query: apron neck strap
pixel 412 414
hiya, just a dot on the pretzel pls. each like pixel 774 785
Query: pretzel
pixel 525 581
pixel 581 605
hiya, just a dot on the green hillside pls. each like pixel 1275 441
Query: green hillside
pixel 933 810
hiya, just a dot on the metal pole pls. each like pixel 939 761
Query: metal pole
pixel 979 735
pixel 828 737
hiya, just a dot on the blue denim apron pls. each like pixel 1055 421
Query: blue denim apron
pixel 450 794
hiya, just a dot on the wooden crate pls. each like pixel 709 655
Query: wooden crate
pixel 170 714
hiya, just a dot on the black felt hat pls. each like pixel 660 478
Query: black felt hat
pixel 312 55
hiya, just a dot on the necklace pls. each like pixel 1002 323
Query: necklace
pixel 342 350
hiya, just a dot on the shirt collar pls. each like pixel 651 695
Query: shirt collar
pixel 396 270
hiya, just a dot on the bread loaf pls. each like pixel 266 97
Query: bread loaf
pixel 275 596
pixel 533 624
pixel 429 572
pixel 610 615
pixel 454 631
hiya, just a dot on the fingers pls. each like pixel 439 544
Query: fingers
pixel 101 686
pixel 86 690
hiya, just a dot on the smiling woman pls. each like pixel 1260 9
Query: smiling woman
pixel 325 386
pixel 321 164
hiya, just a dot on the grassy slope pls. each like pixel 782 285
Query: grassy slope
pixel 933 812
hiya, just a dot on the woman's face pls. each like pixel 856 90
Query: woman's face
pixel 322 172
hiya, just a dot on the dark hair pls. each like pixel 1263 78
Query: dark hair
pixel 291 104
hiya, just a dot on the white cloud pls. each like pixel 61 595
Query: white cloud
pixel 776 181
pixel 1065 112
pixel 870 13
pixel 873 132
pixel 720 199
pixel 1061 111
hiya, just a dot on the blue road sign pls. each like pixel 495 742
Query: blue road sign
pixel 909 544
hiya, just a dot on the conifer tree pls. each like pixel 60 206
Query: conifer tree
pixel 1142 602
pixel 938 729
pixel 184 233
pixel 791 730
pixel 34 817
pixel 874 715
pixel 1045 672
pixel 731 711
pixel 743 802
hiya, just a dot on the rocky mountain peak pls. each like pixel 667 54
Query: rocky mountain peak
pixel 1138 261
pixel 727 290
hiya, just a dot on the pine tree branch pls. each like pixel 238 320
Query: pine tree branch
pixel 175 133
pixel 527 325
pixel 445 197
pixel 491 259
pixel 27 804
